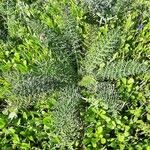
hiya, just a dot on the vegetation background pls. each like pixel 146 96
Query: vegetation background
pixel 74 75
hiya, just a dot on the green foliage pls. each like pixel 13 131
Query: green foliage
pixel 27 89
pixel 115 76
pixel 107 131
pixel 101 50
pixel 67 123
pixel 38 58
pixel 54 123
pixel 74 74
pixel 107 92
pixel 120 69
pixel 101 12
pixel 29 129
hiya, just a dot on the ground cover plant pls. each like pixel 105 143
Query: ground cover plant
pixel 74 75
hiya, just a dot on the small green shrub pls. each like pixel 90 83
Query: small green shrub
pixel 28 129
pixel 104 130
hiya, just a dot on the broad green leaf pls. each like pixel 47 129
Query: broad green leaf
pixel 131 81
pixel 25 115
pixel 87 81
pixel 103 140
pixel 148 117
pixel 124 81
pixel 99 131
pixel 12 115
pixel 2 123
pixel 121 138
pixel 25 146
pixel 47 121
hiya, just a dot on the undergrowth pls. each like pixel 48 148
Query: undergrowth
pixel 74 74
